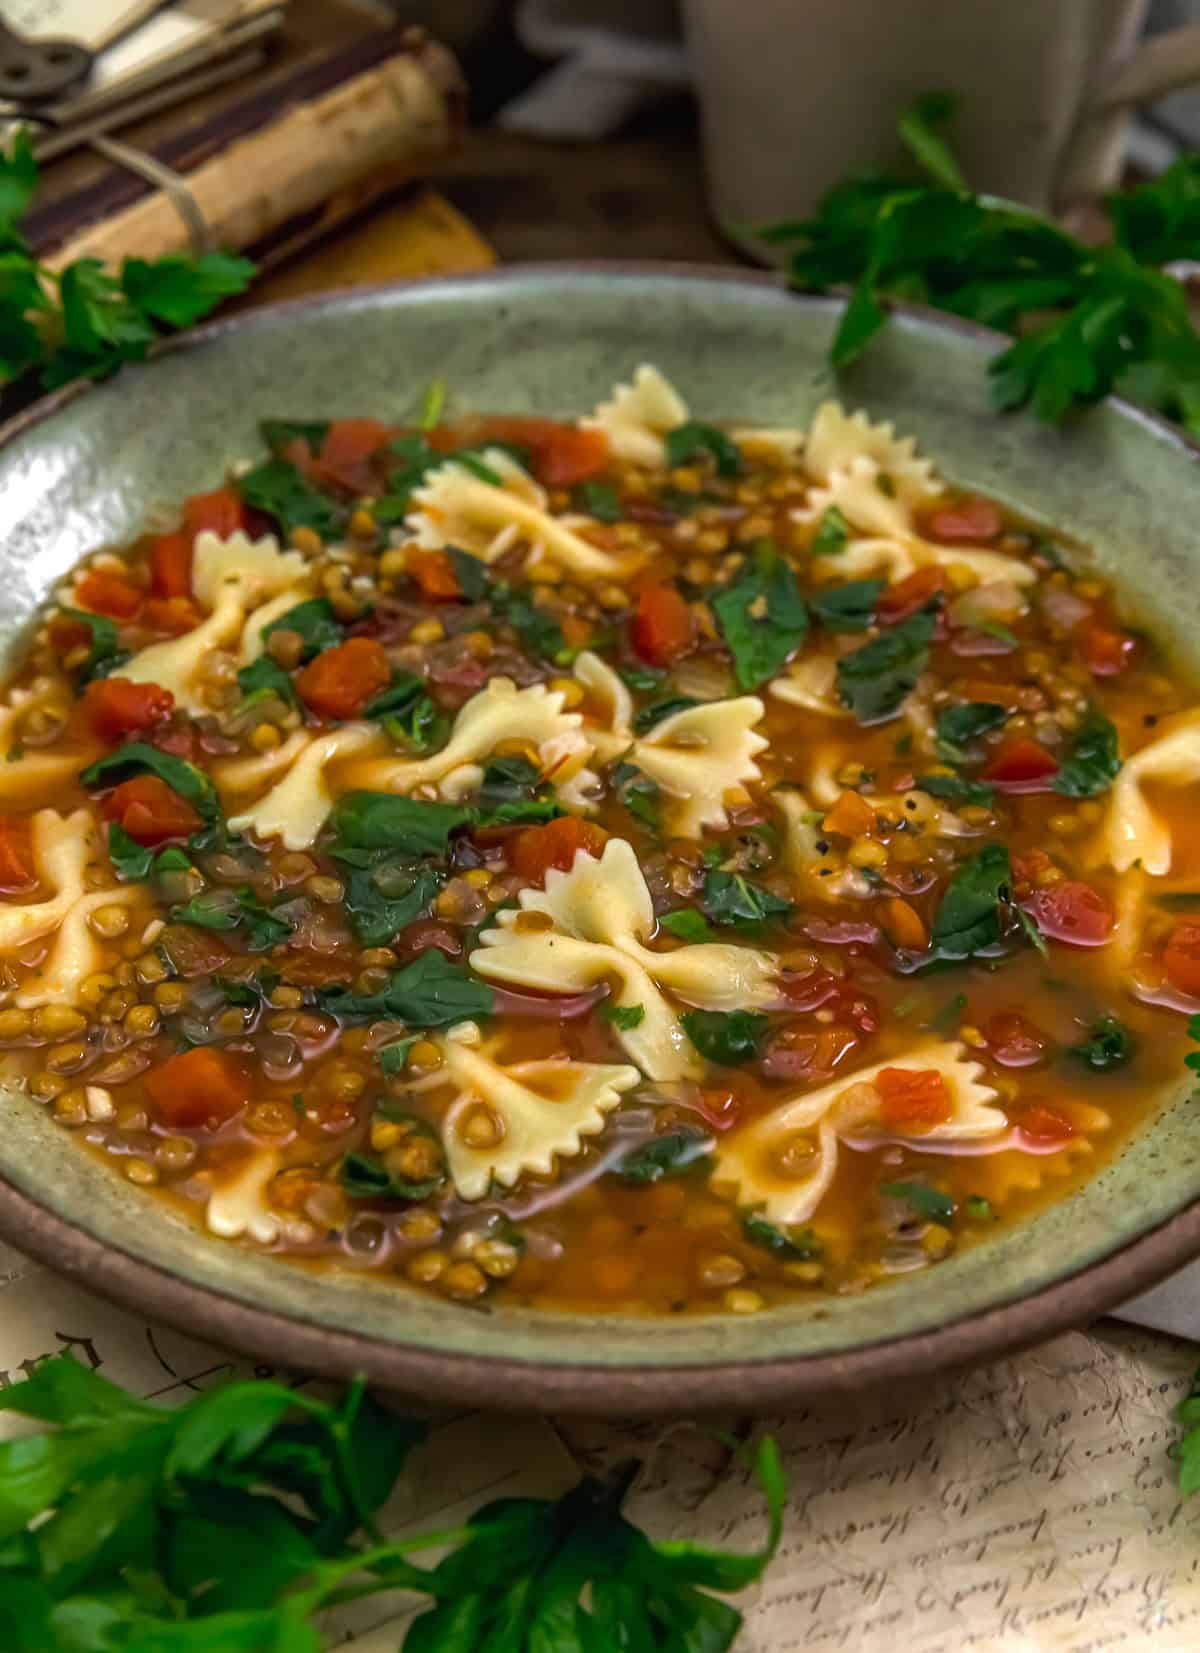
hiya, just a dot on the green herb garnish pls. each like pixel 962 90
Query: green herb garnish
pixel 876 679
pixel 849 607
pixel 1109 1045
pixel 926 1201
pixel 762 617
pixel 1093 760
pixel 694 440
pixel 138 758
pixel 729 1038
pixel 429 992
pixel 666 1156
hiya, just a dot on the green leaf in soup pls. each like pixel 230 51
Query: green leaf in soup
pixel 668 1155
pixel 597 499
pixel 131 861
pixel 281 492
pixel 1109 1045
pixel 538 632
pixel 385 896
pixel 969 919
pixel 686 924
pixel 623 1016
pixel 728 898
pixel 660 709
pixel 695 440
pixel 393 1058
pixel 1093 760
pixel 277 434
pixel 380 820
pixel 432 404
pixel 956 789
pixel 639 794
pixel 762 617
pixel 473 579
pixel 138 758
pixel 263 677
pixel 958 726
pixel 875 680
pixel 314 622
pixel 365 1177
pixel 512 793
pixel 927 1202
pixel 833 531
pixel 408 713
pixel 792 1245
pixel 429 992
pixel 849 607
pixel 104 652
pixel 225 909
pixel 729 1038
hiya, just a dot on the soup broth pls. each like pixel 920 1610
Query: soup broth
pixel 627 863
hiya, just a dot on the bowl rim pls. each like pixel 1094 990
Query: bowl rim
pixel 505 1384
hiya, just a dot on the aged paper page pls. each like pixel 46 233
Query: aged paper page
pixel 1026 1508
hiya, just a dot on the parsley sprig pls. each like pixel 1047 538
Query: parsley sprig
pixel 226 1524
pixel 83 322
pixel 1086 319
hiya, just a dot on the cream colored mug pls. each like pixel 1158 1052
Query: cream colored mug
pixel 795 94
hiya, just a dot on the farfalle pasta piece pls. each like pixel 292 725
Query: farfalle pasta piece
pixel 811 683
pixel 781 444
pixel 784 1162
pixel 63 848
pixel 807 863
pixel 501 712
pixel 1134 833
pixel 24 768
pixel 694 756
pixel 238 1206
pixel 601 914
pixel 883 519
pixel 229 577
pixel 296 808
pixel 638 416
pixel 837 438
pixel 534 1113
pixel 455 506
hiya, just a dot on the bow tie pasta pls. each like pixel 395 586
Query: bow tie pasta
pixel 501 856
pixel 786 1161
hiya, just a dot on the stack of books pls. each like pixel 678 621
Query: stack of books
pixel 151 55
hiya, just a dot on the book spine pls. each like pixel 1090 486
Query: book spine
pixel 390 120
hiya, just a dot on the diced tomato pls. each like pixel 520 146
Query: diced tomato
pixel 171 566
pixel 663 626
pixel 577 632
pixel 340 682
pixel 898 601
pixel 851 816
pixel 115 706
pixel 200 1087
pixel 174 615
pixel 103 593
pixel 1044 1125
pixel 17 870
pixel 220 512
pixel 1181 957
pixel 912 1098
pixel 969 521
pixel 1106 649
pixel 1013 1041
pixel 556 844
pixel 559 455
pixel 346 451
pixel 434 573
pixel 1073 912
pixel 1020 763
pixel 150 810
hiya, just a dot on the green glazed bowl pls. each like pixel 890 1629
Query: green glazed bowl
pixel 85 468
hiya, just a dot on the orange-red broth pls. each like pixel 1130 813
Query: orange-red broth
pixel 314 1090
